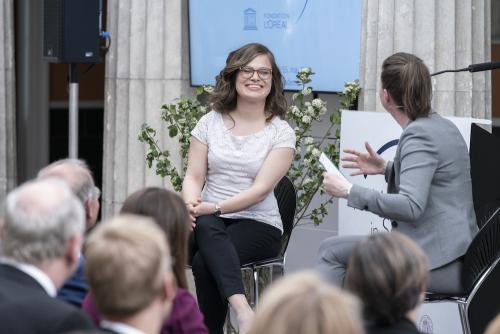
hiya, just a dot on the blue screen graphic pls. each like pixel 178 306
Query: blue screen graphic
pixel 321 34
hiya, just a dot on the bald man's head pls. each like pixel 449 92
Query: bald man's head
pixel 79 178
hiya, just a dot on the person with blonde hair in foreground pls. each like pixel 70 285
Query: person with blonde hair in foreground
pixel 304 304
pixel 128 268
pixel 169 212
pixel 494 326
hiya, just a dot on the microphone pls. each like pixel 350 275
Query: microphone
pixel 491 65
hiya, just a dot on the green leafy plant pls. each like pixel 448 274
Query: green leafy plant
pixel 306 171
pixel 181 117
pixel 304 111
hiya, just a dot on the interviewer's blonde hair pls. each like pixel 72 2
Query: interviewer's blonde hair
pixel 304 304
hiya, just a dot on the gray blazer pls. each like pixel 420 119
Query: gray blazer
pixel 429 190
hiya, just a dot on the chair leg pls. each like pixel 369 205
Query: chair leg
pixel 228 326
pixel 462 309
pixel 255 286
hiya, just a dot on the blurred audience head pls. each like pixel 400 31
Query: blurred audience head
pixel 43 223
pixel 89 331
pixel 78 176
pixel 407 80
pixel 494 326
pixel 224 96
pixel 388 272
pixel 170 213
pixel 302 303
pixel 128 268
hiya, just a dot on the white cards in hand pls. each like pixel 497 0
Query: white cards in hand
pixel 329 165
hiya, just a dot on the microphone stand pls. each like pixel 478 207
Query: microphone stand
pixel 446 71
pixel 73 112
pixel 488 66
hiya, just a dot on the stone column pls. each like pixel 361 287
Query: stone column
pixel 7 101
pixel 446 34
pixel 146 67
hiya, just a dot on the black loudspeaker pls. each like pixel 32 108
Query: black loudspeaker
pixel 72 31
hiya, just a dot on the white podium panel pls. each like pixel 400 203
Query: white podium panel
pixel 441 317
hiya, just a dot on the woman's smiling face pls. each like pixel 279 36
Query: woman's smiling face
pixel 254 80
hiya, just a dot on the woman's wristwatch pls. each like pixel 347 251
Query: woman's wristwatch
pixel 217 211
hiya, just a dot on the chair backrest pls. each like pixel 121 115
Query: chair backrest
pixel 286 196
pixel 486 211
pixel 483 251
pixel 484 303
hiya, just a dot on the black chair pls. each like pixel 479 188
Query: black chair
pixel 286 197
pixel 485 211
pixel 480 279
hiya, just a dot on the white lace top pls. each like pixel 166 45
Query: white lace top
pixel 234 161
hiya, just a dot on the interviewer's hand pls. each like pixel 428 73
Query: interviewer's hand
pixel 336 185
pixel 369 163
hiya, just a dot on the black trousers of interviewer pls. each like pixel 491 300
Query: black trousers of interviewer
pixel 222 246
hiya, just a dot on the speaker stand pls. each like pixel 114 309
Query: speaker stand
pixel 73 112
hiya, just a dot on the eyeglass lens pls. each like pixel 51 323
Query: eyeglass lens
pixel 263 73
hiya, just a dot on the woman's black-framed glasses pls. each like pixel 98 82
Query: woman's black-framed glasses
pixel 263 72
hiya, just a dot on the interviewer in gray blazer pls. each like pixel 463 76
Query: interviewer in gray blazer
pixel 429 190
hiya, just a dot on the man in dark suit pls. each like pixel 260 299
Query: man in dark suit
pixel 40 240
pixel 78 176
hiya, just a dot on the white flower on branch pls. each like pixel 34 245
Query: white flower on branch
pixel 307 181
pixel 309 111
pixel 295 110
pixel 305 70
pixel 317 103
pixel 308 140
pixel 208 89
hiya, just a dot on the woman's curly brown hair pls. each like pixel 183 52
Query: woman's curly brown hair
pixel 224 97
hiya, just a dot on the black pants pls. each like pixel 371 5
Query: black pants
pixel 222 245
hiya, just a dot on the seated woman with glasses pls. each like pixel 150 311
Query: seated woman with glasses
pixel 239 151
